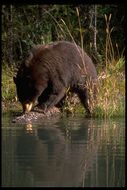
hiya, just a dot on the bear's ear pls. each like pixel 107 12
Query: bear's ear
pixel 28 59
pixel 15 80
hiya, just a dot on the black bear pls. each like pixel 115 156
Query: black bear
pixel 50 70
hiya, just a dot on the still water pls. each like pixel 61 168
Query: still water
pixel 63 152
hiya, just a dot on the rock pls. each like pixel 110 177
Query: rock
pixel 35 115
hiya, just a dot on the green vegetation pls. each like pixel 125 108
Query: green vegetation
pixel 8 86
pixel 104 42
pixel 9 97
pixel 111 91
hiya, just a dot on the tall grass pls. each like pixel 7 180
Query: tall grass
pixel 111 81
pixel 111 89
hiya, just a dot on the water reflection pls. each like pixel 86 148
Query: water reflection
pixel 68 152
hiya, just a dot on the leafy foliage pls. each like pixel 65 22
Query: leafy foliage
pixel 23 26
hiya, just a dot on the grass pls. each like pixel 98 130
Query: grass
pixel 8 86
pixel 111 91
pixel 9 97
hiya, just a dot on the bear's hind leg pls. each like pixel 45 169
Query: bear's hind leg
pixel 83 96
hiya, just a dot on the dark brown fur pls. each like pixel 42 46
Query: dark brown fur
pixel 50 70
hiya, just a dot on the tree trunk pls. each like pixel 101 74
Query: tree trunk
pixel 10 36
pixel 95 29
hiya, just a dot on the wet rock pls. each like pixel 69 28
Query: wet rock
pixel 35 115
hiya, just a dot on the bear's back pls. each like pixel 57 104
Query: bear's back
pixel 63 55
pixel 62 51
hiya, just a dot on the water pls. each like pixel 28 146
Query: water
pixel 63 152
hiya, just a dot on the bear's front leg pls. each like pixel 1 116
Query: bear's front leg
pixel 53 100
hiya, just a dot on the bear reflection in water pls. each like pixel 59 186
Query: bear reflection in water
pixel 55 156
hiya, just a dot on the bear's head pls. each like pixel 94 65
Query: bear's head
pixel 25 92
